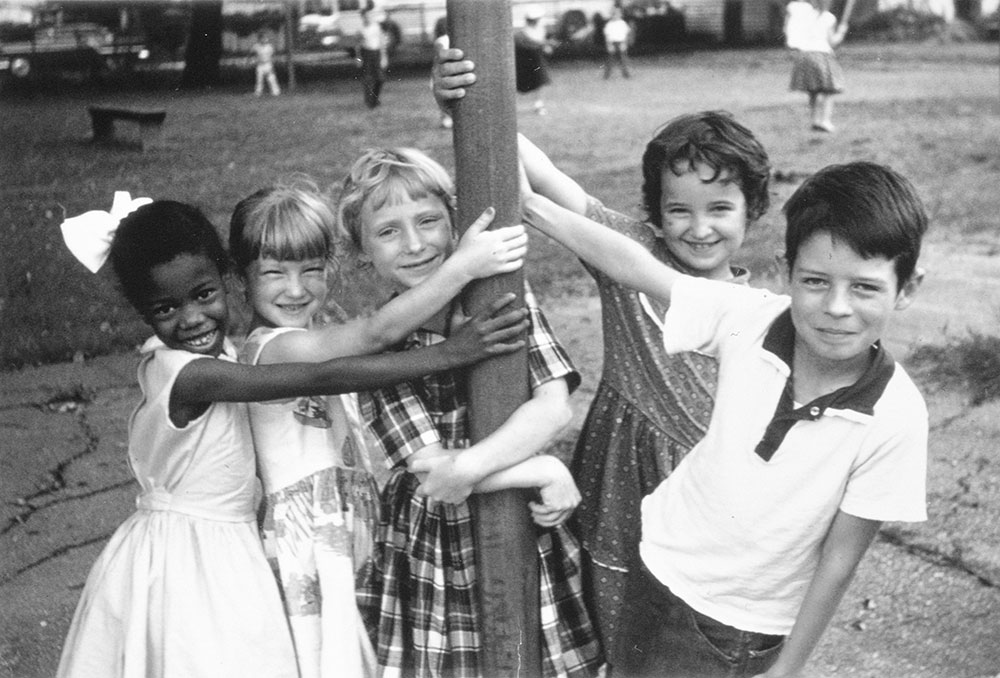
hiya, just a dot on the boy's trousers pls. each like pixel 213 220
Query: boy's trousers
pixel 662 636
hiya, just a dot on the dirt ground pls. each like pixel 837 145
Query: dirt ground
pixel 925 602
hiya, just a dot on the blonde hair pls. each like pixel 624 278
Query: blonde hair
pixel 289 221
pixel 385 176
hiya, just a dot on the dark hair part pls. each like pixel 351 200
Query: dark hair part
pixel 158 233
pixel 712 138
pixel 871 207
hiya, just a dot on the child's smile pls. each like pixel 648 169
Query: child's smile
pixel 408 240
pixel 286 293
pixel 186 304
pixel 841 301
pixel 704 222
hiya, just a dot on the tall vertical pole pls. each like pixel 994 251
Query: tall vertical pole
pixel 486 174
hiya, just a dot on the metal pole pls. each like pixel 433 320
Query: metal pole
pixel 486 174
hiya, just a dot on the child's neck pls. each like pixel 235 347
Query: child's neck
pixel 813 379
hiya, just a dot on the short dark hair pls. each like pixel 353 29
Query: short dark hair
pixel 155 234
pixel 713 138
pixel 871 207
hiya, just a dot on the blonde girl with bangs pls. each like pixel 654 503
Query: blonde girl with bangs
pixel 320 494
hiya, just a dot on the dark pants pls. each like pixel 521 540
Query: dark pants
pixel 662 636
pixel 371 76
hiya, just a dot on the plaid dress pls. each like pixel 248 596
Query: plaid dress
pixel 426 607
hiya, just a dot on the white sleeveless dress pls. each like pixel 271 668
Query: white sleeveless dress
pixel 183 590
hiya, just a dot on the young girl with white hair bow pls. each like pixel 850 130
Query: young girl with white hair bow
pixel 183 589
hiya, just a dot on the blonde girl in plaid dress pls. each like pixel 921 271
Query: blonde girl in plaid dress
pixel 321 499
pixel 396 207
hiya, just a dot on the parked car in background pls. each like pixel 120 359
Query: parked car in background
pixel 27 50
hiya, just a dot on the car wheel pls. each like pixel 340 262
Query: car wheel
pixel 20 67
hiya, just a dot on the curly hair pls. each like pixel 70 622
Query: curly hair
pixel 711 138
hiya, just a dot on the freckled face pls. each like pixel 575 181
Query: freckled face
pixel 186 305
pixel 841 302
pixel 408 240
pixel 286 293
pixel 704 222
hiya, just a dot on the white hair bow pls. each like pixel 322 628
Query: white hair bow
pixel 89 235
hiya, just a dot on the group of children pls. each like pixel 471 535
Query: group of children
pixel 739 456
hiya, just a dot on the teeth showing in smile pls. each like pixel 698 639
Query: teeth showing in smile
pixel 701 245
pixel 202 341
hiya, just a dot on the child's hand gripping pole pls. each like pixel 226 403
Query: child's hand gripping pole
pixel 493 331
pixel 482 253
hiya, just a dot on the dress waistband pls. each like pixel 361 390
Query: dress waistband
pixel 161 500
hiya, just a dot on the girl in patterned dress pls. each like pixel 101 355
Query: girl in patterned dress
pixel 321 499
pixel 812 33
pixel 183 590
pixel 705 180
pixel 396 207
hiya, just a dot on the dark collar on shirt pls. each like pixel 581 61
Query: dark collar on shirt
pixel 860 396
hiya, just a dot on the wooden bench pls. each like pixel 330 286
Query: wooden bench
pixel 150 122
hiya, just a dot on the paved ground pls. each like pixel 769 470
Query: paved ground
pixel 925 603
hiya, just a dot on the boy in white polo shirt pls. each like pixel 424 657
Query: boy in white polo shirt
pixel 817 436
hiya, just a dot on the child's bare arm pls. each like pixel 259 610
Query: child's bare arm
pixel 525 433
pixel 548 180
pixel 845 544
pixel 619 257
pixel 493 332
pixel 480 253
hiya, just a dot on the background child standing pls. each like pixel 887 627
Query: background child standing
pixel 183 588
pixel 617 33
pixel 321 499
pixel 263 52
pixel 396 207
pixel 817 436
pixel 811 32
pixel 705 180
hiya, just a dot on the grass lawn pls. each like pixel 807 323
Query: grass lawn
pixel 930 110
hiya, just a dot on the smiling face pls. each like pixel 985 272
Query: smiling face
pixel 286 293
pixel 406 240
pixel 186 304
pixel 842 302
pixel 704 222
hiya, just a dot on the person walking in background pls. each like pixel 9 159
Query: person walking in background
pixel 263 51
pixel 531 49
pixel 374 57
pixel 616 38
pixel 811 33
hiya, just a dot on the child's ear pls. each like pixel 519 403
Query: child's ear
pixel 909 289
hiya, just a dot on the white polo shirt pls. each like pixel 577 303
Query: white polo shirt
pixel 738 537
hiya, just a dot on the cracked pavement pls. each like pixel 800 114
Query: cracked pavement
pixel 924 604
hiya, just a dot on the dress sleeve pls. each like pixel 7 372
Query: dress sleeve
pixel 547 359
pixel 398 421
